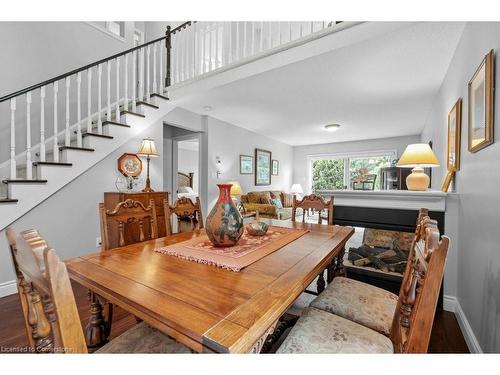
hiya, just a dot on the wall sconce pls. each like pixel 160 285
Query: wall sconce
pixel 218 166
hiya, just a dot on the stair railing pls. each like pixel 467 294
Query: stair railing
pixel 208 46
pixel 146 69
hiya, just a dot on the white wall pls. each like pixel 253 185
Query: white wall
pixel 478 201
pixel 228 142
pixel 300 153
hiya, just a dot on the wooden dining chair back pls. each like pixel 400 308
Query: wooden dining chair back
pixel 315 203
pixel 127 213
pixel 188 213
pixel 50 309
pixel 419 293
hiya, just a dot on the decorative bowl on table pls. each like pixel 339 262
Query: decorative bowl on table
pixel 257 228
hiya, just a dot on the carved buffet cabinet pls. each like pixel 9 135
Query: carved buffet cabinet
pixel 111 199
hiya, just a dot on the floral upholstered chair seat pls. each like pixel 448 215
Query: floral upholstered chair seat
pixel 143 338
pixel 320 332
pixel 362 303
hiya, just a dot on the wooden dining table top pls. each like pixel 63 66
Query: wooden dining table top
pixel 209 309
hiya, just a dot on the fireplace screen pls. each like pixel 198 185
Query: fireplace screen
pixel 383 250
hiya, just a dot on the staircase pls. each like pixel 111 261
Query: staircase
pixel 40 170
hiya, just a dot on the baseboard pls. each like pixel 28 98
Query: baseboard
pixel 451 303
pixel 7 288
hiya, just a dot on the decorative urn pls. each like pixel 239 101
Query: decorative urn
pixel 224 225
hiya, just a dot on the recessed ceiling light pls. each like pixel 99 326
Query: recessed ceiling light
pixel 207 108
pixel 332 128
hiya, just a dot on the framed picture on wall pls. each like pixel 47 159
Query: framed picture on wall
pixel 481 102
pixel 275 167
pixel 454 135
pixel 246 164
pixel 262 167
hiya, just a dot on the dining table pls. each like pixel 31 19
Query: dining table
pixel 206 308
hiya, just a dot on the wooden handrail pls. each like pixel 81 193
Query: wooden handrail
pixel 62 76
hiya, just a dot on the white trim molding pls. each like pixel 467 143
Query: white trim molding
pixel 7 288
pixel 451 304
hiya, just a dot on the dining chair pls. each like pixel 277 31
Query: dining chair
pixel 315 203
pixel 51 315
pixel 322 330
pixel 189 215
pixel 126 214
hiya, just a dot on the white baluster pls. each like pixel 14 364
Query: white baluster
pixel 29 166
pixel 182 56
pixel 108 110
pixel 280 39
pixel 99 99
pixel 89 100
pixel 148 75
pixel 290 31
pixel 117 111
pixel 202 48
pixel 13 171
pixel 301 31
pixel 210 51
pixel 252 38
pixel 261 39
pixel 237 41
pixel 66 129
pixel 78 110
pixel 245 40
pixel 125 104
pixel 134 80
pixel 141 73
pixel 186 65
pixel 55 147
pixel 42 123
pixel 154 69
pixel 161 78
pixel 177 55
pixel 216 62
pixel 312 27
pixel 230 44
pixel 270 35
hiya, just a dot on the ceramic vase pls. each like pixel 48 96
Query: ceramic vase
pixel 224 225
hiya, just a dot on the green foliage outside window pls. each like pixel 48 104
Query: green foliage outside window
pixel 328 174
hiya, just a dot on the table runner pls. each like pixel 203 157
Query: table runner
pixel 248 250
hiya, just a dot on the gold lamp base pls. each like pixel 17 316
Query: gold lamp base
pixel 417 180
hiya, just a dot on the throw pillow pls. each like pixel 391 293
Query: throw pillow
pixel 287 200
pixel 276 202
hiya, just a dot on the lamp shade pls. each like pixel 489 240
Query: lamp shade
pixel 148 148
pixel 235 188
pixel 418 155
pixel 296 189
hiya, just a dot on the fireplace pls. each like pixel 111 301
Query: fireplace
pixel 380 230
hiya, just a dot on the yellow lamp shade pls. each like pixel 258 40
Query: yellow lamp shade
pixel 418 155
pixel 235 188
pixel 148 148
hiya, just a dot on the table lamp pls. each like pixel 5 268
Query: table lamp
pixel 418 156
pixel 236 191
pixel 148 149
pixel 296 189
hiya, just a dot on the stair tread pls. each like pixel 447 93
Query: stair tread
pixel 140 102
pixel 8 200
pixel 132 113
pixel 23 181
pixel 159 96
pixel 52 163
pixel 76 148
pixel 86 134
pixel 115 123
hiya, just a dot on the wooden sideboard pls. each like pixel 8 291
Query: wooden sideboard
pixel 111 199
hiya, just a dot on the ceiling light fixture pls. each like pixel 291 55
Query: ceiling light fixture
pixel 332 128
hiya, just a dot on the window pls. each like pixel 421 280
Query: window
pixel 336 172
pixel 117 28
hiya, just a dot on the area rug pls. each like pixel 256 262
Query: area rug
pixel 248 250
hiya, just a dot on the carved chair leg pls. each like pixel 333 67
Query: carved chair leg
pixel 330 271
pixel 320 284
pixel 96 330
pixel 340 269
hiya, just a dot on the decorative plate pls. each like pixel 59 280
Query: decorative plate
pixel 130 165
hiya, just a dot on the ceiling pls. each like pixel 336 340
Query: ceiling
pixel 377 88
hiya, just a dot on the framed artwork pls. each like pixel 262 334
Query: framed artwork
pixel 130 165
pixel 275 167
pixel 454 135
pixel 447 181
pixel 262 167
pixel 480 106
pixel 246 164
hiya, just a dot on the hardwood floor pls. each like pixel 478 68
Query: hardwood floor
pixel 446 334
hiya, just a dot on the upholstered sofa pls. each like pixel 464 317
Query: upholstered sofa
pixel 262 201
